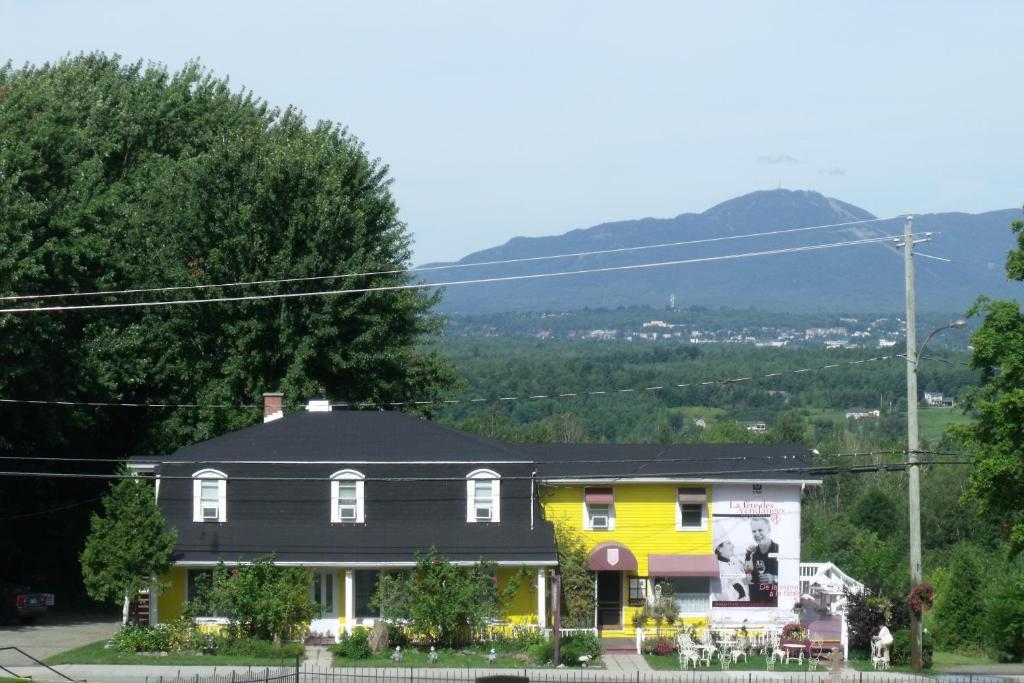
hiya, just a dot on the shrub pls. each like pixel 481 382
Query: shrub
pixel 899 654
pixel 263 601
pixel 139 639
pixel 864 614
pixel 1004 616
pixel 176 636
pixel 354 645
pixel 577 645
pixel 519 639
pixel 541 653
pixel 658 645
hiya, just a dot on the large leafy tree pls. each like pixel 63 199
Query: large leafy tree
pixel 997 433
pixel 121 175
pixel 127 544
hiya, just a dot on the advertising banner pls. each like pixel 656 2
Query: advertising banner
pixel 756 539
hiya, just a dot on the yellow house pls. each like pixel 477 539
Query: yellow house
pixel 352 495
pixel 715 526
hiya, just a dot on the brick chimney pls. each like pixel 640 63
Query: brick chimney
pixel 273 406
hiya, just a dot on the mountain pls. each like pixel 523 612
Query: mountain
pixel 852 278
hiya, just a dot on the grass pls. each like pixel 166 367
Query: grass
pixel 752 663
pixel 97 653
pixel 944 659
pixel 934 421
pixel 448 659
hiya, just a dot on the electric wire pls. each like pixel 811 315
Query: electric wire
pixel 450 283
pixel 51 510
pixel 597 477
pixel 449 266
pixel 165 460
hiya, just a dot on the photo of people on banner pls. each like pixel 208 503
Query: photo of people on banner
pixel 748 562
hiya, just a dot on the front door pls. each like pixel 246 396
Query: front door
pixel 325 594
pixel 609 600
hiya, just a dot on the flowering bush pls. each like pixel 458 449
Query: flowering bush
pixel 794 632
pixel 922 597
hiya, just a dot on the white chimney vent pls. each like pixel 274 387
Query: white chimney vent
pixel 319 405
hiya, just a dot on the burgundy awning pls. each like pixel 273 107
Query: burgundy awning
pixel 682 565
pixel 693 496
pixel 611 557
pixel 599 496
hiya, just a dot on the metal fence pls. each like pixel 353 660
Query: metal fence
pixel 416 675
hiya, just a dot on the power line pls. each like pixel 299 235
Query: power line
pixel 808 470
pixel 443 402
pixel 451 266
pixel 51 510
pixel 451 283
pixel 157 460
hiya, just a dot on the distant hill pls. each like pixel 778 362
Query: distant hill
pixel 854 279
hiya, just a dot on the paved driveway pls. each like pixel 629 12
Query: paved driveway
pixel 54 633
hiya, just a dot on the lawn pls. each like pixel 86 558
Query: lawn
pixel 934 421
pixel 96 653
pixel 449 659
pixel 753 663
pixel 944 659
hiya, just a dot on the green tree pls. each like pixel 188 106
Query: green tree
pixel 997 434
pixel 445 603
pixel 117 175
pixel 261 599
pixel 959 611
pixel 127 546
pixel 577 581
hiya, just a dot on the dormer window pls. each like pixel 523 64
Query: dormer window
pixel 483 496
pixel 347 500
pixel 599 509
pixel 209 496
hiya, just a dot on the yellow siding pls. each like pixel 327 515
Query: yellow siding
pixel 171 602
pixel 522 609
pixel 645 522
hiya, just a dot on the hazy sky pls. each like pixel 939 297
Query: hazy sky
pixel 531 118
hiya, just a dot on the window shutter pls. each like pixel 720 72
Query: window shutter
pixel 222 499
pixel 496 500
pixel 360 511
pixel 335 516
pixel 197 493
pixel 470 498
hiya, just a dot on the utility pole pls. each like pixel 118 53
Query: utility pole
pixel 912 441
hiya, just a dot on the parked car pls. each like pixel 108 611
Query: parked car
pixel 21 603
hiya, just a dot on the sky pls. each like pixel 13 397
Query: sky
pixel 500 119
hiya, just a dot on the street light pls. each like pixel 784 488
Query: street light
pixel 913 355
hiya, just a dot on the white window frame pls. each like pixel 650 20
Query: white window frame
pixel 588 526
pixel 222 495
pixel 471 508
pixel 348 476
pixel 703 512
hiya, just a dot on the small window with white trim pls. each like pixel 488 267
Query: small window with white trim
pixel 599 509
pixel 692 509
pixel 347 497
pixel 209 496
pixel 483 496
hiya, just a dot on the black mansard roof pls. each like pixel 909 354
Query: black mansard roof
pixel 278 496
pixel 715 462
